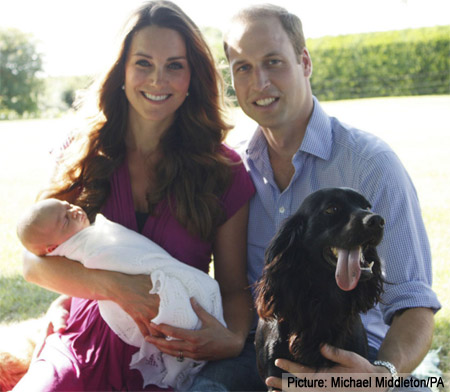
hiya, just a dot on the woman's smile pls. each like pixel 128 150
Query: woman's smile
pixel 158 98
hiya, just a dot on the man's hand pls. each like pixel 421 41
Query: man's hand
pixel 346 362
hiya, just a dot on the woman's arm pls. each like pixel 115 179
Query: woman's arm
pixel 213 341
pixel 69 277
pixel 230 269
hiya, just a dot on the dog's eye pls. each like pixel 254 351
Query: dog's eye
pixel 332 210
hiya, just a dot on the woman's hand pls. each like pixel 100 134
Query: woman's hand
pixel 58 314
pixel 212 342
pixel 55 320
pixel 131 293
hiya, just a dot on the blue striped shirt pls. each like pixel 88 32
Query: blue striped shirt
pixel 333 154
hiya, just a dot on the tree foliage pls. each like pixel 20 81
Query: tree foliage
pixel 214 39
pixel 20 64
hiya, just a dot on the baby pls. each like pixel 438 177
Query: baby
pixel 56 228
pixel 48 224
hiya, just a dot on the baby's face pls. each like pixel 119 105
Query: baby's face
pixel 65 220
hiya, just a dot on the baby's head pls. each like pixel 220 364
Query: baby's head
pixel 48 224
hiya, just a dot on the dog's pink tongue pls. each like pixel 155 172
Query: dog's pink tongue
pixel 348 269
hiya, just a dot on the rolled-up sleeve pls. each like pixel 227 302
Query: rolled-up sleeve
pixel 405 249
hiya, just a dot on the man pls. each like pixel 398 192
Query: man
pixel 298 149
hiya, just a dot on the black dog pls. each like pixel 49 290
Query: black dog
pixel 321 271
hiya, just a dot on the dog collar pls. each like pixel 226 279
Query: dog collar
pixel 389 366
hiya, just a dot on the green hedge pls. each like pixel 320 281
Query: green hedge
pixel 395 63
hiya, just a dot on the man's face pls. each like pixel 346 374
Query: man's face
pixel 270 79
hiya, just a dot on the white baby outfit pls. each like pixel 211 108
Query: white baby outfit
pixel 109 246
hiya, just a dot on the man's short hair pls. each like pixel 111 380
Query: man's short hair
pixel 291 23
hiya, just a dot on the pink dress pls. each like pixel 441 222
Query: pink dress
pixel 89 356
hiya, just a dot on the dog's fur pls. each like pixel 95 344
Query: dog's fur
pixel 298 299
pixel 17 343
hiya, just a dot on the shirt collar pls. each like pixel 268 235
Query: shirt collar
pixel 317 140
pixel 257 144
pixel 318 137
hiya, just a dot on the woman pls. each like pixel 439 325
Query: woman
pixel 153 161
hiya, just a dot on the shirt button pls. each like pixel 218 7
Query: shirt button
pixel 281 209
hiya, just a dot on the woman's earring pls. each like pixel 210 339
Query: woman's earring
pixel 187 94
pixel 123 87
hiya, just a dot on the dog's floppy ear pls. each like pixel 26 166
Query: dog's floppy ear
pixel 274 290
pixel 286 240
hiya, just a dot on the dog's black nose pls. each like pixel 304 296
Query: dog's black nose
pixel 374 221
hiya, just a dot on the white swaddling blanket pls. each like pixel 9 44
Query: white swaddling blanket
pixel 109 246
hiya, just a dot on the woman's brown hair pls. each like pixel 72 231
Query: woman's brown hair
pixel 193 171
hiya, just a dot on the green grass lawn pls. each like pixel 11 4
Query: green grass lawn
pixel 416 127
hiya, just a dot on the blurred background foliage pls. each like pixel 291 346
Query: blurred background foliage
pixel 20 64
pixel 395 63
